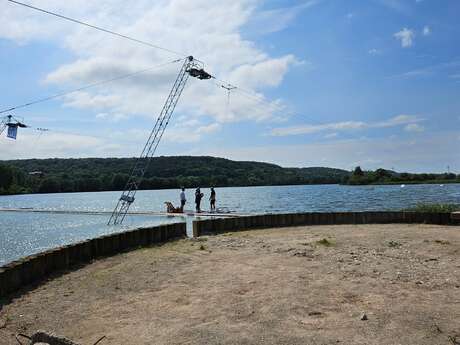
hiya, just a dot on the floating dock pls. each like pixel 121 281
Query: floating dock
pixel 133 213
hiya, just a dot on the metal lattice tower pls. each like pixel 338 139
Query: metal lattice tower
pixel 189 68
pixel 4 123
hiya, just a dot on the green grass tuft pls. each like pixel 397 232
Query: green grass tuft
pixel 325 242
pixel 442 241
pixel 394 244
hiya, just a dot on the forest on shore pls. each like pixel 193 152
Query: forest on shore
pixel 58 175
pixel 382 176
pixel 106 174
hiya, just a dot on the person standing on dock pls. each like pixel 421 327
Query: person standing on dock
pixel 183 200
pixel 212 199
pixel 198 197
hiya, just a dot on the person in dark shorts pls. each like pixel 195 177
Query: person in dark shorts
pixel 198 197
pixel 183 200
pixel 212 199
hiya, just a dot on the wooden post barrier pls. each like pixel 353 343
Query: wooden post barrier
pixel 34 268
pixel 220 225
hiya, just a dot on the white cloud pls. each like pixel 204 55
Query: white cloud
pixel 399 120
pixel 107 143
pixel 429 154
pixel 52 144
pixel 426 30
pixel 331 135
pixel 374 51
pixel 181 135
pixel 190 131
pixel 213 127
pixel 98 102
pixel 102 115
pixel 414 127
pixel 113 117
pixel 309 129
pixel 406 36
pixel 396 5
pixel 415 73
pixel 429 70
pixel 210 30
pixel 268 72
pixel 278 19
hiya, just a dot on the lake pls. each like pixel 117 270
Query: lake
pixel 26 233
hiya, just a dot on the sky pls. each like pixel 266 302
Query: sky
pixel 334 83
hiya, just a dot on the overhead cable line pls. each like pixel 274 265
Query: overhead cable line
pixel 98 28
pixel 227 85
pixel 249 94
pixel 102 82
pixel 262 101
pixel 276 107
pixel 252 96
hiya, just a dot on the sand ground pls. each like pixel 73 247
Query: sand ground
pixel 304 285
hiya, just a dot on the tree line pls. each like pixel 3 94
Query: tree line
pixel 382 176
pixel 107 174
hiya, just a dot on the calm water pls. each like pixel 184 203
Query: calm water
pixel 26 233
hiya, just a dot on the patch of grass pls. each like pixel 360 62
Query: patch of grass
pixel 442 241
pixel 422 207
pixel 5 323
pixel 202 247
pixel 394 244
pixel 325 242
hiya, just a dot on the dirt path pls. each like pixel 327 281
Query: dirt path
pixel 306 285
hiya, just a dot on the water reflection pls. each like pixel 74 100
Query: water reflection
pixel 26 233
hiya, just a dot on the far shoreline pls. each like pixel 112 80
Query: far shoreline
pixel 390 183
pixel 259 186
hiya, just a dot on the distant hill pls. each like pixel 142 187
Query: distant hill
pixel 100 174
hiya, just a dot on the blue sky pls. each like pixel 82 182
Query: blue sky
pixel 323 83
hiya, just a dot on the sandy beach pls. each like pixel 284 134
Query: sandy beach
pixel 345 284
